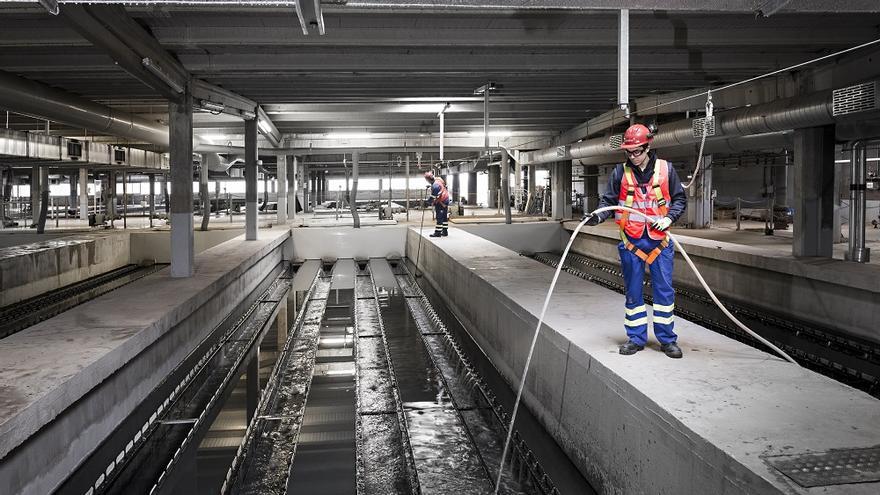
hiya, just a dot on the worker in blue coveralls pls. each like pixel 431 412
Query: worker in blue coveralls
pixel 441 199
pixel 650 185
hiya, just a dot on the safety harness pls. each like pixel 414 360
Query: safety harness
pixel 629 182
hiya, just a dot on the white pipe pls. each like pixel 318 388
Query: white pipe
pixel 547 302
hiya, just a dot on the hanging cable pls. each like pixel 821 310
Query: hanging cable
pixel 710 117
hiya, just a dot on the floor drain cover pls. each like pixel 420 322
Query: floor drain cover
pixel 835 467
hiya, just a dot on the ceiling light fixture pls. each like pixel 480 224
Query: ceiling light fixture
pixel 264 126
pixel 212 106
pixel 156 71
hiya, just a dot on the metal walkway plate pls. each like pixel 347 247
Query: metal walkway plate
pixel 306 275
pixel 835 467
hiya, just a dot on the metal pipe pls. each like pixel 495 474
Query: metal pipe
pixel 856 247
pixel 31 98
pixel 812 110
pixel 623 61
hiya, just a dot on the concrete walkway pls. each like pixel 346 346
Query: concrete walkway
pixel 709 423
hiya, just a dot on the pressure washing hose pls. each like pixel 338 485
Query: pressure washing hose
pixel 574 234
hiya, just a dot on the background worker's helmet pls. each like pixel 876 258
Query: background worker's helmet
pixel 636 136
pixel 429 176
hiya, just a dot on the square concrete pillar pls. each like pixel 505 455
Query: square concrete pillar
pixel 591 187
pixel 84 193
pixel 494 186
pixel 699 209
pixel 250 179
pixel 813 191
pixel 560 188
pixel 282 189
pixel 291 186
pixel 472 188
pixel 180 135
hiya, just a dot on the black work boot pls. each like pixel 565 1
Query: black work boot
pixel 435 234
pixel 672 350
pixel 630 348
pixel 445 232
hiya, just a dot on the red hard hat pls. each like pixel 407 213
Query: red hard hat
pixel 636 136
pixel 429 175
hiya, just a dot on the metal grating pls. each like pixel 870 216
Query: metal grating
pixel 835 467
pixel 852 99
pixel 697 126
pixel 615 141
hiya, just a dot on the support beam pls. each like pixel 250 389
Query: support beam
pixel 44 199
pixel 282 189
pixel 250 178
pixel 813 204
pixel 591 187
pixel 355 163
pixel 252 384
pixel 152 198
pixel 203 195
pixel 494 186
pixel 306 187
pixel 472 188
pixel 181 158
pixel 560 190
pixel 699 209
pixel 505 184
pixel 406 186
pixel 83 193
pixel 35 194
pixel 292 186
pixel 623 61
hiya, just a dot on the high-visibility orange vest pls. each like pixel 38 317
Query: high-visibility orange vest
pixel 652 199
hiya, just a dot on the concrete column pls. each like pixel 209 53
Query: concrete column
pixel 517 180
pixel 152 198
pixel 699 210
pixel 250 178
pixel 181 137
pixel 252 380
pixel 324 186
pixel 355 164
pixel 813 191
pixel 292 183
pixel 35 194
pixel 72 196
pixel 203 194
pixel 591 187
pixel 216 198
pixel 560 188
pixel 44 199
pixel 472 188
pixel 505 185
pixel 282 189
pixel 406 186
pixel 83 193
pixel 494 186
pixel 532 180
pixel 306 186
pixel 456 187
pixel 111 195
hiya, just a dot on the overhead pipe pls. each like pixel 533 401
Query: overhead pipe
pixel 27 97
pixel 780 115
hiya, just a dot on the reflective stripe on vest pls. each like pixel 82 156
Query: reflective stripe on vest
pixel 654 202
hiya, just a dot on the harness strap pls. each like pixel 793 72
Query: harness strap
pixel 646 257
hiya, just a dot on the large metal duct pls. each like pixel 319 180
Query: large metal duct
pixel 28 97
pixel 780 115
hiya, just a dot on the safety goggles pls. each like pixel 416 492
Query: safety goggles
pixel 636 152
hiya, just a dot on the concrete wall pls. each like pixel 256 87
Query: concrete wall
pixel 156 245
pixel 346 242
pixel 829 293
pixel 31 269
pixel 70 381
pixel 524 238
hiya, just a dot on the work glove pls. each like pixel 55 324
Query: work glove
pixel 662 224
pixel 593 220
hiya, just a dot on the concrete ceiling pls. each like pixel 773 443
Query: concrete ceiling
pixel 380 69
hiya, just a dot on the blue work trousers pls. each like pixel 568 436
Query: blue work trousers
pixel 442 213
pixel 636 318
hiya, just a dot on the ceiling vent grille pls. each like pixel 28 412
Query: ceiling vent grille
pixel 615 141
pixel 852 99
pixel 697 127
